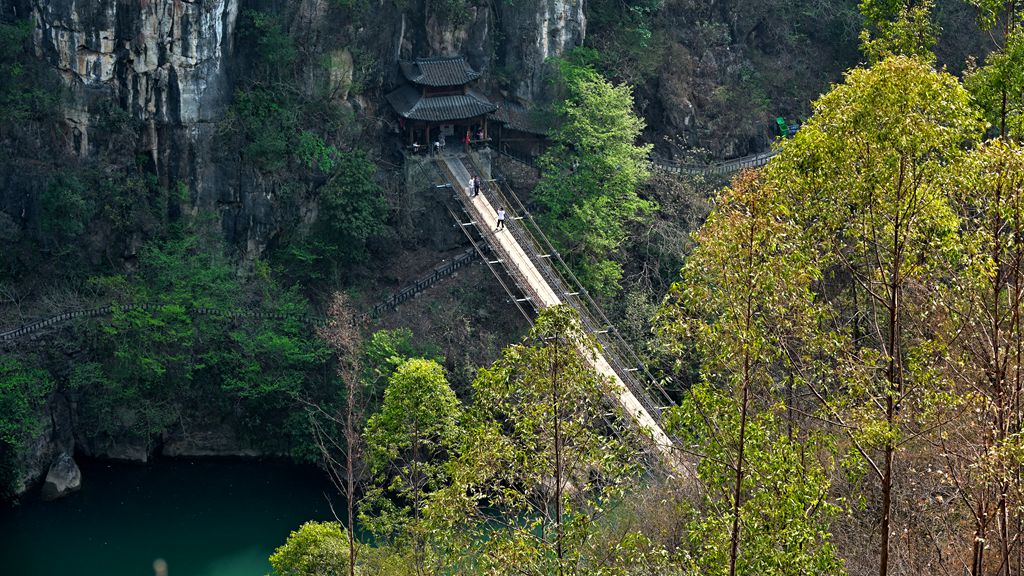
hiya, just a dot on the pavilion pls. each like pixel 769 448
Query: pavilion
pixel 437 101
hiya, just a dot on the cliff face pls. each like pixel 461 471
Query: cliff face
pixel 172 64
pixel 163 62
pixel 536 30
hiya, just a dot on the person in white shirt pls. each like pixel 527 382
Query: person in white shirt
pixel 501 219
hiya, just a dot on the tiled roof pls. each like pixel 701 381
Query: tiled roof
pixel 518 117
pixel 448 71
pixel 408 102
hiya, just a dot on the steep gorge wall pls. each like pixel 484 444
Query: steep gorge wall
pixel 534 31
pixel 171 65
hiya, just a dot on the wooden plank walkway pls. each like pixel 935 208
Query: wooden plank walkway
pixel 521 267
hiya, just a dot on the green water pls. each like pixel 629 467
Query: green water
pixel 204 517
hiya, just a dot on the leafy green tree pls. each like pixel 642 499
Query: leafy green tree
pixel 408 443
pixel 745 303
pixel 315 549
pixel 786 510
pixel 276 54
pixel 867 176
pixel 66 211
pixel 591 174
pixel 898 28
pixel 998 85
pixel 28 91
pixel 180 348
pixel 985 331
pixel 268 121
pixel 383 352
pixel 537 467
pixel 351 211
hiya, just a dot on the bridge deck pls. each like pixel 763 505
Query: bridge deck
pixel 526 272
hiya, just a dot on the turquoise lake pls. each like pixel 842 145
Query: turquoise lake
pixel 203 517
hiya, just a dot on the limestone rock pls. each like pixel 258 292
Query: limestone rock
pixel 538 30
pixel 63 478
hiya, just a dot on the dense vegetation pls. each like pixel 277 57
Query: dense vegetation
pixel 843 331
pixel 850 316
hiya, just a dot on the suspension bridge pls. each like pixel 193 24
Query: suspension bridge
pixel 535 277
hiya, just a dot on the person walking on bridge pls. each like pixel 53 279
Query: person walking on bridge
pixel 476 185
pixel 501 219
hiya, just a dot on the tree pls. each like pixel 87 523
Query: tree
pixel 867 174
pixel 998 86
pixel 315 549
pixel 179 349
pixel 982 454
pixel 539 464
pixel 591 174
pixel 408 442
pixel 898 28
pixel 341 332
pixel 351 211
pixel 745 303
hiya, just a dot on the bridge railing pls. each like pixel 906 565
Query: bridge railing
pixel 718 168
pixel 567 286
pixel 721 168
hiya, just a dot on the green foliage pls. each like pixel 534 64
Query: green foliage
pixel 992 13
pixel 383 352
pixel 24 392
pixel 998 87
pixel 315 153
pixel 744 299
pixel 785 512
pixel 867 179
pixel 898 28
pixel 268 121
pixel 351 212
pixel 315 549
pixel 536 427
pixel 408 443
pixel 276 55
pixel 591 174
pixel 66 210
pixel 625 37
pixel 164 358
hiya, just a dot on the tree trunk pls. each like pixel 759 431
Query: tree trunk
pixel 894 389
pixel 748 315
pixel 883 558
pixel 737 491
pixel 558 456
pixel 978 548
pixel 350 476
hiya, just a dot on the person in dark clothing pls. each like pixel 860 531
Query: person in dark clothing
pixel 476 185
